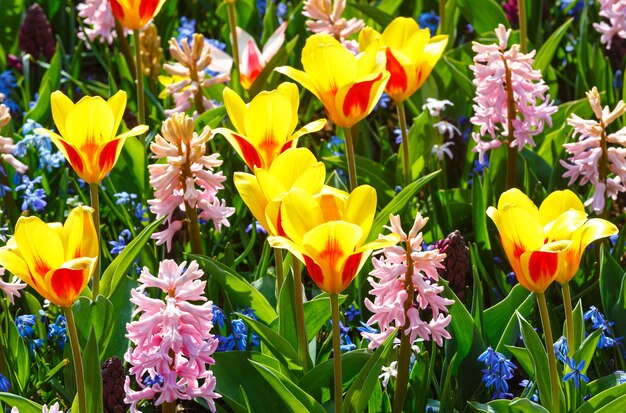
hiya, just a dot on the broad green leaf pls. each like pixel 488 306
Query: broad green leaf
pixel 129 172
pixel 211 118
pixel 508 406
pixel 379 16
pixel 10 19
pixel 619 311
pixel 239 290
pixel 95 316
pixel 49 83
pixel 523 358
pixel 540 360
pixel 120 299
pixel 579 326
pixel 611 276
pixel 369 172
pixel 24 405
pixel 603 399
pixel 112 276
pixel 498 317
pixel 546 52
pixel 18 357
pixel 317 313
pixel 588 349
pixel 93 374
pixel 287 312
pixel 484 15
pixel 606 382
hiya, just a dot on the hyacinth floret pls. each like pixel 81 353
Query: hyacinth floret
pixel 596 147
pixel 171 338
pixel 98 21
pixel 187 178
pixel 11 289
pixel 7 147
pixel 614 23
pixel 325 17
pixel 388 288
pixel 493 67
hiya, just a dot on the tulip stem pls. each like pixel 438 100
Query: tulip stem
pixel 406 157
pixel 442 17
pixel 351 159
pixel 569 318
pixel 299 304
pixel 95 204
pixel 521 13
pixel 232 22
pixel 280 274
pixel 141 104
pixel 78 361
pixel 193 229
pixel 338 381
pixel 125 48
pixel 547 331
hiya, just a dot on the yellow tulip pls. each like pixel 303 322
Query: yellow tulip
pixel 411 54
pixel 546 243
pixel 265 126
pixel 135 14
pixel 56 260
pixel 263 192
pixel 87 133
pixel 348 86
pixel 327 233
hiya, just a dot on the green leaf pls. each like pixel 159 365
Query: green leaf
pixel 501 325
pixel 508 406
pixel 293 396
pixel 49 83
pixel 524 359
pixel 211 118
pixel 359 392
pixel 17 357
pixel 546 52
pixel 93 374
pixel 603 399
pixel 484 15
pixel 379 16
pixel 112 276
pixel 606 382
pixel 588 349
pixel 317 313
pixel 98 316
pixel 130 169
pixel 611 275
pixel 24 405
pixel 10 20
pixel 618 313
pixel 239 290
pixel 368 171
pixel 287 312
pixel 120 299
pixel 278 346
pixel 540 360
pixel 399 202
pixel 579 326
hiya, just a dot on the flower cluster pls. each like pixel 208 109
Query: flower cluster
pixel 591 157
pixel 7 148
pixel 598 321
pixel 186 179
pixel 11 289
pixel 325 17
pixel 614 11
pixel 171 338
pixel 98 21
pixel 391 289
pixel 500 74
pixel 49 157
pixel 189 73
pixel 498 370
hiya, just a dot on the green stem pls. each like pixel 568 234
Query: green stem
pixel 280 274
pixel 569 318
pixel 511 152
pixel 442 16
pixel 193 229
pixel 78 361
pixel 406 157
pixel 338 381
pixel 141 104
pixel 521 13
pixel 125 47
pixel 232 22
pixel 299 303
pixel 547 331
pixel 168 407
pixel 95 204
pixel 351 158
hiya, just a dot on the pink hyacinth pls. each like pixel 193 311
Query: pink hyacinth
pixel 325 17
pixel 172 340
pixel 11 289
pixel 55 408
pixel 388 288
pixel 7 147
pixel 187 178
pixel 492 64
pixel 587 154
pixel 614 23
pixel 98 21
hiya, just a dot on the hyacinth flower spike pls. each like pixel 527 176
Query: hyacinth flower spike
pixel 348 86
pixel 264 128
pixel 57 261
pixel 251 59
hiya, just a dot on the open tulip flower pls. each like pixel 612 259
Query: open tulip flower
pixel 546 243
pixel 265 126
pixel 135 14
pixel 56 260
pixel 348 86
pixel 327 233
pixel 263 192
pixel 252 60
pixel 411 54
pixel 87 133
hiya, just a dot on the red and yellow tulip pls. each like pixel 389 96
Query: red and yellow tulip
pixel 327 232
pixel 56 260
pixel 87 133
pixel 411 54
pixel 135 14
pixel 265 126
pixel 546 243
pixel 348 86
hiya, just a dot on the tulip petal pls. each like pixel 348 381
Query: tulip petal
pixel 557 203
pixel 330 64
pixel 516 197
pixel 367 36
pixel 61 107
pixel 236 109
pixel 300 77
pixel 356 101
pixel 90 125
pixel 297 167
pixel 108 157
pixel 251 193
pixel 538 269
pixel 287 244
pixel 117 103
pixel 274 42
pixel 15 264
pixel 564 226
pixel 300 212
pixel 66 283
pixel 290 92
pixel 315 126
pixel 403 33
pixel 81 238
pixel 398 80
pixel 361 208
pixel 432 54
pixel 243 148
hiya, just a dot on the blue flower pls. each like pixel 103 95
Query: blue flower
pixel 479 168
pixel 124 198
pixel 218 316
pixel 217 44
pixel 49 157
pixel 240 334
pixel 281 11
pixel 5 385
pixel 248 312
pixel 25 324
pixel 120 244
pixel 383 102
pixel 561 349
pixel 336 145
pixel 366 328
pixel 57 332
pixel 186 29
pixel 618 79
pixel 258 228
pixel 148 380
pixel 7 84
pixel 498 370
pixel 511 279
pixel 575 372
pixel 398 134
pixel 598 321
pixel 32 197
pixel 351 313
pixel 141 213
pixel 347 345
pixel 527 384
pixel 430 20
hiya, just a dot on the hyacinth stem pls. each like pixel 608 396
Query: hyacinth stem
pixel 547 331
pixel 521 14
pixel 511 152
pixel 125 48
pixel 280 274
pixel 232 22
pixel 351 158
pixel 603 167
pixel 569 317
pixel 168 407
pixel 141 104
pixel 95 204
pixel 193 229
pixel 78 361
pixel 404 358
pixel 406 157
pixel 334 308
pixel 299 304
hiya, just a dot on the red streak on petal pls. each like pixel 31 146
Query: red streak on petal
pixel 398 80
pixel 74 158
pixel 268 145
pixel 315 272
pixel 117 10
pixel 358 97
pixel 279 224
pixel 249 152
pixel 350 268
pixel 107 156
pixel 518 250
pixel 147 8
pixel 67 282
pixel 254 62
pixel 542 266
pixel 286 146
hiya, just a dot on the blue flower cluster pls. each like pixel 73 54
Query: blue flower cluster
pixel 607 337
pixel 186 29
pixel 120 244
pixel 498 370
pixel 430 21
pixel 49 157
pixel 130 199
pixel 7 84
pixel 575 372
pixel 57 332
pixel 238 339
pixel 32 197
pixel 5 385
